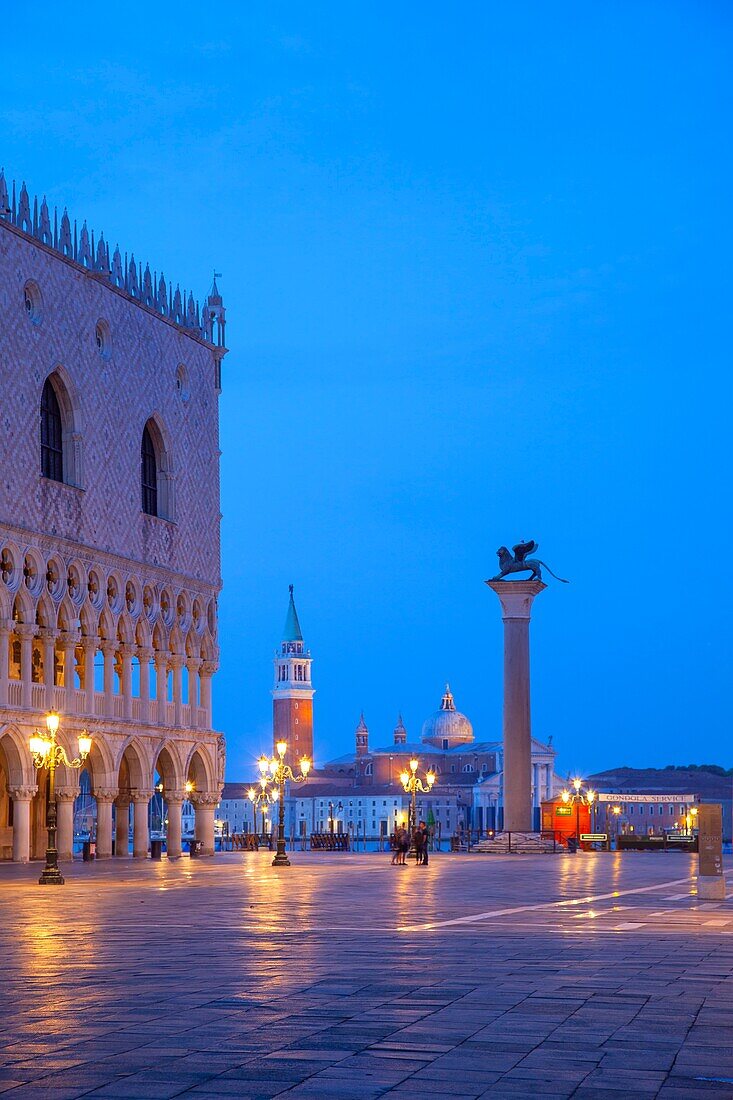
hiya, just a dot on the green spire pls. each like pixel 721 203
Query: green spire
pixel 292 626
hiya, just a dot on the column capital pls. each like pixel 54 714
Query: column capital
pixel 175 660
pixel 90 641
pixel 6 627
pixel 516 597
pixel 48 633
pixel 193 664
pixel 107 645
pixel 70 637
pixel 127 650
pixel 124 798
pixel 22 794
pixel 208 668
pixel 145 653
pixel 161 657
pixel 140 796
pixel 105 794
pixel 26 630
pixel 204 798
pixel 67 794
pixel 174 796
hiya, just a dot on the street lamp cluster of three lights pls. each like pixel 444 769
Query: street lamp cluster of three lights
pixel 412 783
pixel 47 753
pixel 277 773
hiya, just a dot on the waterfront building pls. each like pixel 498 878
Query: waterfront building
pixel 656 800
pixel 109 532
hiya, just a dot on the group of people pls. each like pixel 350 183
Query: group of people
pixel 401 844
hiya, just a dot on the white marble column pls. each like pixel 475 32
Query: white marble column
pixel 176 663
pixel 90 651
pixel 26 632
pixel 144 655
pixel 204 806
pixel 140 831
pixel 109 650
pixel 122 825
pixel 516 606
pixel 65 798
pixel 193 664
pixel 174 801
pixel 161 687
pixel 126 653
pixel 6 628
pixel 48 641
pixel 70 640
pixel 105 796
pixel 22 797
pixel 207 671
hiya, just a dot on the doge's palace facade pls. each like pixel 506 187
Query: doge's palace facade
pixel 109 533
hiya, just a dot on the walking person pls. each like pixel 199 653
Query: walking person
pixel 396 846
pixel 425 838
pixel 417 840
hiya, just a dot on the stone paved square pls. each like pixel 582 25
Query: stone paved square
pixel 586 976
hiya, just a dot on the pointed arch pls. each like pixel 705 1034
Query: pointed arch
pixel 60 429
pixel 134 769
pixel 23 610
pixel 200 770
pixel 143 633
pixel 175 640
pixel 125 629
pixel 66 618
pixel 168 764
pixel 88 620
pixel 106 626
pixel 45 612
pixel 156 470
pixel 20 770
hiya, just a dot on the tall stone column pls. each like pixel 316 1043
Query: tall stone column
pixel 70 642
pixel 26 632
pixel 48 641
pixel 176 663
pixel 174 800
pixel 203 830
pixel 90 652
pixel 144 656
pixel 6 627
pixel 122 825
pixel 109 649
pixel 161 687
pixel 207 671
pixel 126 652
pixel 65 798
pixel 193 664
pixel 105 796
pixel 516 607
pixel 21 797
pixel 140 831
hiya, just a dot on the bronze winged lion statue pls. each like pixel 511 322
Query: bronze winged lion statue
pixel 519 562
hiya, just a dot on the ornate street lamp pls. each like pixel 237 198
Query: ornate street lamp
pixel 281 773
pixel 47 754
pixel 262 798
pixel 412 783
pixel 579 797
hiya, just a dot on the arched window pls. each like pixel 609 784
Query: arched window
pixel 52 448
pixel 148 474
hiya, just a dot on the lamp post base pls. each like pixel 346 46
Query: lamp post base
pixel 51 876
pixel 281 860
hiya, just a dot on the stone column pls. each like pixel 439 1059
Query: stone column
pixel 105 796
pixel 48 641
pixel 6 627
pixel 21 797
pixel 140 832
pixel 193 664
pixel 516 607
pixel 174 800
pixel 90 650
pixel 207 671
pixel 203 830
pixel 161 687
pixel 70 642
pixel 122 825
pixel 176 663
pixel 65 798
pixel 144 655
pixel 109 649
pixel 26 632
pixel 126 652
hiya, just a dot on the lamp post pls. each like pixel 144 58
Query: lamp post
pixel 579 797
pixel 411 784
pixel 331 823
pixel 46 753
pixel 281 773
pixel 262 797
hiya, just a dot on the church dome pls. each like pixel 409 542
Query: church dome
pixel 447 727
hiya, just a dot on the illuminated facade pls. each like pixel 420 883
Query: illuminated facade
pixel 109 533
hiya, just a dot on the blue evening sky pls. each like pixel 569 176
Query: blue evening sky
pixel 476 259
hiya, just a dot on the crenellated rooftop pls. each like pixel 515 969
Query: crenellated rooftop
pixel 125 273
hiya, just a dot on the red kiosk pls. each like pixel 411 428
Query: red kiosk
pixel 563 820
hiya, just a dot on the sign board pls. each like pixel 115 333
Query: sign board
pixel 594 836
pixel 563 811
pixel 710 838
pixel 655 799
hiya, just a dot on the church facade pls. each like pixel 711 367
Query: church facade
pixel 109 533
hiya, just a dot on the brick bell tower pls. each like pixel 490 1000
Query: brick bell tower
pixel 292 695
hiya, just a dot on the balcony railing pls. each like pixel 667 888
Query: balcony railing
pixel 159 712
